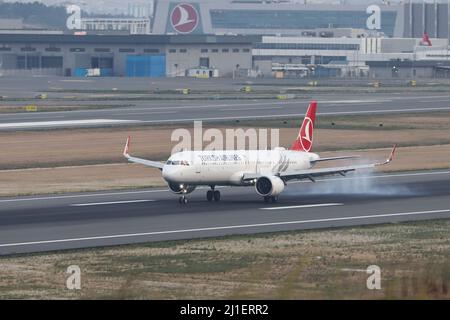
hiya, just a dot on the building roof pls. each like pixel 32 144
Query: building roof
pixel 407 64
pixel 126 39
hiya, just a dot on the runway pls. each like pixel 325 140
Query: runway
pixel 34 224
pixel 116 109
pixel 157 112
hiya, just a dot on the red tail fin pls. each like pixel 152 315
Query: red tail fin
pixel 304 141
pixel 426 39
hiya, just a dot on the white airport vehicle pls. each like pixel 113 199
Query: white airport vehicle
pixel 266 170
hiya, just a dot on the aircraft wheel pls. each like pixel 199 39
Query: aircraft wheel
pixel 216 196
pixel 210 195
pixel 274 199
pixel 182 200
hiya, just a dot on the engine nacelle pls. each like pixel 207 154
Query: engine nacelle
pixel 181 188
pixel 269 186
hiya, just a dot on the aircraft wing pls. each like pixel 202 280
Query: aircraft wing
pixel 335 158
pixel 314 173
pixel 148 163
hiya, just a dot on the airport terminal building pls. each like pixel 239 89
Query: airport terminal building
pixel 203 38
pixel 407 19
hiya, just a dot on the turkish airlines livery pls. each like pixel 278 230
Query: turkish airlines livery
pixel 267 170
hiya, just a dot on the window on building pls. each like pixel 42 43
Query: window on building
pixel 52 62
pixel 77 49
pixel 204 50
pixel 183 50
pixel 235 50
pixel 225 50
pixel 27 49
pixel 246 50
pixel 306 59
pixel 172 51
pixel 308 46
pixel 204 62
pixel 157 50
pixel 53 49
pixel 5 49
pixel 102 50
pixel 28 62
pixel 102 62
pixel 297 19
pixel 215 50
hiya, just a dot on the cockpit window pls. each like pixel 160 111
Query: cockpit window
pixel 177 163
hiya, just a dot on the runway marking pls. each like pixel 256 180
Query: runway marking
pixel 384 111
pixel 250 109
pixel 107 194
pixel 278 116
pixel 4 116
pixel 304 206
pixel 144 113
pixel 244 226
pixel 76 80
pixel 108 203
pixel 44 124
pixel 83 195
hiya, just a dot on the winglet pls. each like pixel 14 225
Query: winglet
pixel 391 156
pixel 127 147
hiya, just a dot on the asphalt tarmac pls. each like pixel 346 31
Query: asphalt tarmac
pixel 45 223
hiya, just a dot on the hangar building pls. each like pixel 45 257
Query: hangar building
pixel 117 55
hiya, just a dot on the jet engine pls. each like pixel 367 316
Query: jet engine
pixel 269 186
pixel 181 188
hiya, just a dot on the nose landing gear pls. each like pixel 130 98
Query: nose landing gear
pixel 183 200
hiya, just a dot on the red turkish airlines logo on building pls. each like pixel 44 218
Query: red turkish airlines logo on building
pixel 184 18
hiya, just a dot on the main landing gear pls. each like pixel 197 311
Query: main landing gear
pixel 273 199
pixel 213 195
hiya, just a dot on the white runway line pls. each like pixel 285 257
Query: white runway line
pixel 278 116
pixel 304 206
pixel 244 226
pixel 45 124
pixel 108 203
pixel 144 113
pixel 251 109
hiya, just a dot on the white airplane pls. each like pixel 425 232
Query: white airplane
pixel 267 170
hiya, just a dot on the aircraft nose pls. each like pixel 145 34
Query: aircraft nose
pixel 169 173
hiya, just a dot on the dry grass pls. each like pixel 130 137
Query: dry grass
pixel 414 260
pixel 78 179
pixel 100 146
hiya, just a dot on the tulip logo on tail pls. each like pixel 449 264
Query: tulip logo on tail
pixel 184 18
pixel 306 135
